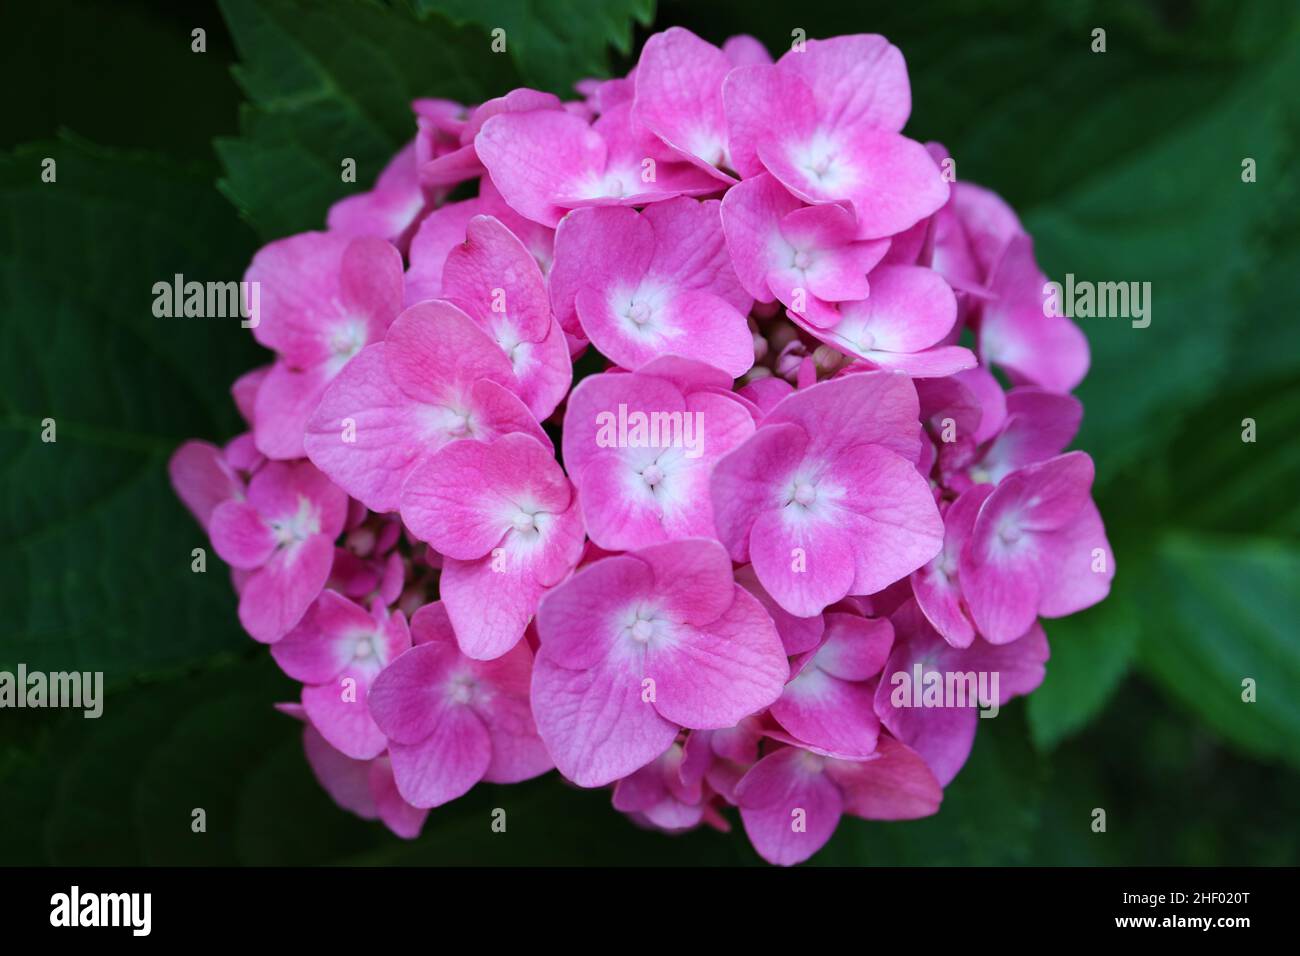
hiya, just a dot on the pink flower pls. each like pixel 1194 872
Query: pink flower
pixel 943 730
pixel 498 284
pixel 283 532
pixel 678 97
pixel 828 703
pixel 780 245
pixel 791 801
pixel 1017 332
pixel 655 283
pixel 635 647
pixel 786 501
pixel 642 447
pixel 462 163
pixel 824 499
pixel 1035 425
pixel 452 721
pixel 1038 547
pixel 324 296
pixel 901 324
pixel 337 650
pixel 548 161
pixel 825 122
pixel 203 479
pixel 437 378
pixel 937 586
pixel 505 519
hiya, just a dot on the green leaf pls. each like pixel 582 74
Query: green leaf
pixel 327 83
pixel 1232 612
pixel 1174 213
pixel 144 89
pixel 95 546
pixel 1091 653
pixel 555 42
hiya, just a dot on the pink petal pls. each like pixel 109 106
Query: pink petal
pixel 447 763
pixel 890 514
pixel 440 232
pixel 890 181
pixel 804 561
pixel 202 480
pixel 877 408
pixel 857 79
pixel 679 95
pixel 285 403
pixel 345 723
pixel 751 216
pixel 399 816
pixel 277 595
pixel 712 675
pixel 752 96
pixel 240 535
pixel 936 586
pixel 798 634
pixel 831 714
pixel 856 648
pixel 594 722
pixel 347 781
pixel 467 495
pixel 536 158
pixel 897 785
pixel 1078 567
pixel 789 806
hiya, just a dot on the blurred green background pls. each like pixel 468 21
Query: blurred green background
pixel 1126 165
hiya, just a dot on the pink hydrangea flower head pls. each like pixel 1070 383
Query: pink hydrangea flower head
pixel 775 499
pixel 452 721
pixel 637 646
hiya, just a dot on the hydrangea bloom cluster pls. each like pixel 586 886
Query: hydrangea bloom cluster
pixel 673 458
